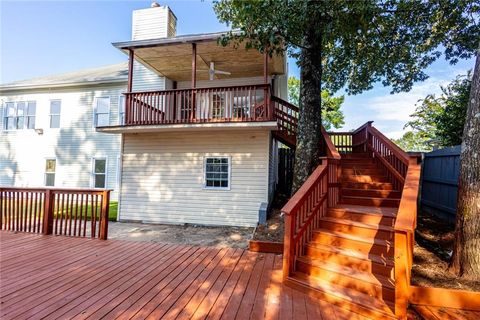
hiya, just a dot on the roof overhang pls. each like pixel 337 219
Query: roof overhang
pixel 172 57
pixel 261 125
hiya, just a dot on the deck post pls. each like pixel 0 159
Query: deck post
pixel 48 212
pixel 266 91
pixel 194 78
pixel 128 102
pixel 104 215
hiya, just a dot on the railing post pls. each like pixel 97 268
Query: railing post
pixel 104 215
pixel 48 212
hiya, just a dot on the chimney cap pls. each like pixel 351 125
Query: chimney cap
pixel 154 4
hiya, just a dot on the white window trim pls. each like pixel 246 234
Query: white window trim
pixel 95 109
pixel 119 109
pixel 229 173
pixel 92 172
pixel 45 172
pixel 25 116
pixel 54 114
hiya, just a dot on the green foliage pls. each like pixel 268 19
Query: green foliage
pixel 361 42
pixel 442 118
pixel 332 116
pixel 413 141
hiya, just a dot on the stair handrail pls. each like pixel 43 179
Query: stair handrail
pixel 286 115
pixel 301 213
pixel 332 151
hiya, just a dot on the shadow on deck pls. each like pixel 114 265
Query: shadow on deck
pixel 77 278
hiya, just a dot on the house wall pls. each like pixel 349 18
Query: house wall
pixel 163 177
pixel 74 144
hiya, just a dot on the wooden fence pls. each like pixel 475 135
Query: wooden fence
pixel 440 172
pixel 70 212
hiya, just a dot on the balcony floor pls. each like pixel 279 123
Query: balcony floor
pixel 78 278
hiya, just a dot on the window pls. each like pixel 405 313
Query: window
pixel 55 110
pixel 50 166
pixel 99 173
pixel 121 110
pixel 102 112
pixel 19 115
pixel 217 172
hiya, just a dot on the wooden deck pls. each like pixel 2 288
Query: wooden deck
pixel 441 313
pixel 59 277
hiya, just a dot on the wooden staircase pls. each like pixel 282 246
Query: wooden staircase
pixel 349 228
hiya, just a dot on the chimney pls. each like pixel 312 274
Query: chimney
pixel 153 23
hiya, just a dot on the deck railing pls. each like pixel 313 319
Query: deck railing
pixel 286 115
pixel 304 210
pixel 70 212
pixel 348 142
pixel 199 105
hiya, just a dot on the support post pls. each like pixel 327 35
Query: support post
pixel 194 79
pixel 268 109
pixel 104 215
pixel 128 100
pixel 48 212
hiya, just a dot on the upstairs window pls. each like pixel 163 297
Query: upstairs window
pixel 102 112
pixel 121 110
pixel 55 110
pixel 99 173
pixel 217 173
pixel 19 115
pixel 50 167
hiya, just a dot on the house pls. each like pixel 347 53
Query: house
pixel 199 147
pixel 48 135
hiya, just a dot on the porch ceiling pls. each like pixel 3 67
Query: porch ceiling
pixel 174 60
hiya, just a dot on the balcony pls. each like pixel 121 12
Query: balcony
pixel 249 103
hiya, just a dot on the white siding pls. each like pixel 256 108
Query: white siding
pixel 162 178
pixel 145 79
pixel 272 168
pixel 74 144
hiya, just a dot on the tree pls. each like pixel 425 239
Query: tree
pixel 332 116
pixel 413 141
pixel 351 45
pixel 442 118
pixel 466 253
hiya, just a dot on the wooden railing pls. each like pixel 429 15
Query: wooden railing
pixel 286 115
pixel 304 210
pixel 302 215
pixel 70 212
pixel 200 105
pixel 348 142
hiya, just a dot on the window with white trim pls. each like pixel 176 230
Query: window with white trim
pixel 20 115
pixel 217 172
pixel 99 172
pixel 55 111
pixel 50 168
pixel 121 110
pixel 102 112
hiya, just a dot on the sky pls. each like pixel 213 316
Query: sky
pixel 39 38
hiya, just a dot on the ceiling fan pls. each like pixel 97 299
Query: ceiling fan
pixel 212 71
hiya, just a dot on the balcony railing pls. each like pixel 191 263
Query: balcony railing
pixel 200 105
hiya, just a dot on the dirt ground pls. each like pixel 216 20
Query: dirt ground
pixel 233 237
pixel 432 252
pixel 273 230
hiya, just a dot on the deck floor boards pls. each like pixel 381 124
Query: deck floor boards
pixel 58 277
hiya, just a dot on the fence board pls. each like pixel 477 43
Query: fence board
pixel 441 170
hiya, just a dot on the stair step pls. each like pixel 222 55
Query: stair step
pixel 358 170
pixel 354 259
pixel 373 193
pixel 356 155
pixel 367 185
pixel 364 178
pixel 362 164
pixel 369 201
pixel 374 285
pixel 357 228
pixel 380 247
pixel 365 214
pixel 343 297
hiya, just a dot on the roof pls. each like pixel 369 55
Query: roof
pixel 188 38
pixel 105 74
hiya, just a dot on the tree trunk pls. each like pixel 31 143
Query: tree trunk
pixel 310 118
pixel 466 255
